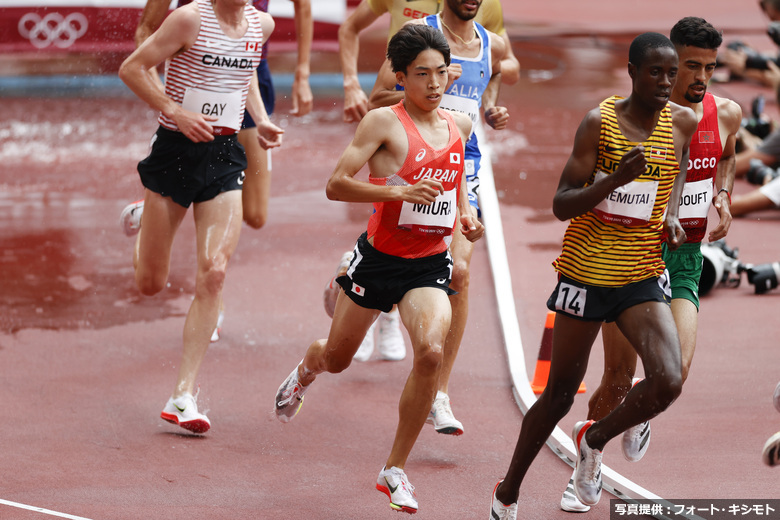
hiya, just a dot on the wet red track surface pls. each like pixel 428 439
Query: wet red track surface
pixel 87 362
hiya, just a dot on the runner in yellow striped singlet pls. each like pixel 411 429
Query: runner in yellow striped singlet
pixel 623 173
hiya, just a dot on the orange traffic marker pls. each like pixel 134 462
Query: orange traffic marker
pixel 542 371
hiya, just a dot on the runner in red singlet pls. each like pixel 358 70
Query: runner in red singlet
pixel 414 152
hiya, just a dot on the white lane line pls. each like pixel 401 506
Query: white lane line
pixel 41 510
pixel 559 442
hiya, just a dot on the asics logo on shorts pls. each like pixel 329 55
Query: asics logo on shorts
pixel 241 179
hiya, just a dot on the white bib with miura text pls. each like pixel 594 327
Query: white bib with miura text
pixel 629 205
pixel 225 106
pixel 437 218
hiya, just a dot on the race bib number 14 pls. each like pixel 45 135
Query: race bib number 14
pixel 571 299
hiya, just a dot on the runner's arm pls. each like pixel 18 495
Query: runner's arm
pixel 302 98
pixel 675 234
pixel 572 198
pixel 177 33
pixel 495 116
pixel 355 100
pixel 384 93
pixel 268 134
pixel 379 129
pixel 471 227
pixel 727 166
pixel 510 66
pixel 684 125
pixel 151 17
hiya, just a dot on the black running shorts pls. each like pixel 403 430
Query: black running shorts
pixel 593 303
pixel 190 172
pixel 376 280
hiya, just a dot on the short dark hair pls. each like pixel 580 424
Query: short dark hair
pixel 643 43
pixel 696 32
pixel 411 40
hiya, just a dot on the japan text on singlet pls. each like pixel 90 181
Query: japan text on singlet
pixel 417 230
pixel 212 77
pixel 705 152
pixel 619 241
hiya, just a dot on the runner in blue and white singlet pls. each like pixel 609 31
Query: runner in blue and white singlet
pixel 465 95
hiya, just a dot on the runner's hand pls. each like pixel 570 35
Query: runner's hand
pixel 355 104
pixel 471 227
pixel 269 135
pixel 302 98
pixel 721 204
pixel 196 127
pixel 675 234
pixel 454 71
pixel 423 192
pixel 497 117
pixel 632 165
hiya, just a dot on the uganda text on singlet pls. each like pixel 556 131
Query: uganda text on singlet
pixel 619 241
pixel 413 230
pixel 212 77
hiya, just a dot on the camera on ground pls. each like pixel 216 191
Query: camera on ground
pixel 759 173
pixel 721 267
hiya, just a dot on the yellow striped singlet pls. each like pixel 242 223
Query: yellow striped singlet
pixel 607 253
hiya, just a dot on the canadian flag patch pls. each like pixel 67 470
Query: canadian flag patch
pixel 357 289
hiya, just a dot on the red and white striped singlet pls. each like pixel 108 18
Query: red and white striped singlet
pixel 215 72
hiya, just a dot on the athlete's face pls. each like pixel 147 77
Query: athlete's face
pixel 425 79
pixel 464 9
pixel 655 78
pixel 696 68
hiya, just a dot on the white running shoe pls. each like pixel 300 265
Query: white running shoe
pixel 390 342
pixel 367 347
pixel 218 328
pixel 636 439
pixel 587 472
pixel 441 416
pixel 771 453
pixel 395 484
pixel 331 293
pixel 183 411
pixel 499 511
pixel 569 500
pixel 776 397
pixel 130 218
pixel 289 397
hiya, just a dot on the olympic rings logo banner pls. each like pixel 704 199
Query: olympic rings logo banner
pixel 53 29
pixel 108 26
pixel 68 28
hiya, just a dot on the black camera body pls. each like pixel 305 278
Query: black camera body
pixel 760 174
pixel 774 32
pixel 755 59
pixel 764 276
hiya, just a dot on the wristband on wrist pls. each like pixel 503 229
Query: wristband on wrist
pixel 727 194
